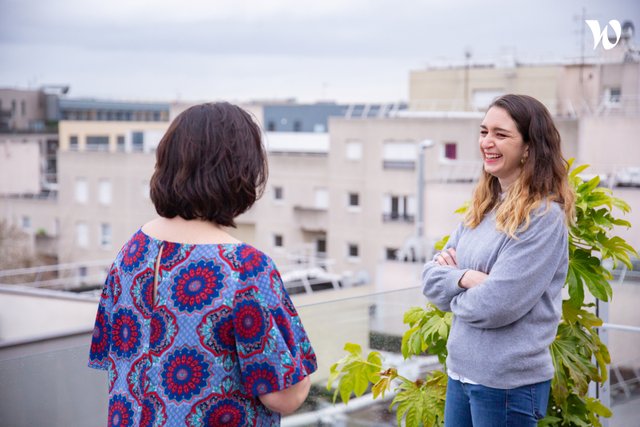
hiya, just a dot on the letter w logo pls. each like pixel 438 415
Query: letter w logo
pixel 599 35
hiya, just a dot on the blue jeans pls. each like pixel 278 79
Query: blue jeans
pixel 470 405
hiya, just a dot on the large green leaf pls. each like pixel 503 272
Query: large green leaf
pixel 354 373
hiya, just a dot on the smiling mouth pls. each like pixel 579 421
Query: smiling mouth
pixel 488 156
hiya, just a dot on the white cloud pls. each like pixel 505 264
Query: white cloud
pixel 346 49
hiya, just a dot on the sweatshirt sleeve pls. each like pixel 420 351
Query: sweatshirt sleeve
pixel 521 274
pixel 440 283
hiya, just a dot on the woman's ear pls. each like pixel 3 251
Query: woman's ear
pixel 525 155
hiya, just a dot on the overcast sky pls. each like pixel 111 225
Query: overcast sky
pixel 343 50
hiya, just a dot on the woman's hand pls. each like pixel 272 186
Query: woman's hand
pixel 447 257
pixel 472 278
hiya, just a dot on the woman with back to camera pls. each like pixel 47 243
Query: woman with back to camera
pixel 503 269
pixel 194 326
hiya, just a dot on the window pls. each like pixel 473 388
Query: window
pixel 399 155
pixel 120 143
pixel 398 208
pixel 391 254
pixel 450 150
pixel 23 107
pixel 277 240
pixel 612 95
pixel 104 192
pixel 278 193
pixel 353 150
pixel 97 143
pixel 353 251
pixel 73 143
pixel 321 198
pixel 26 223
pixel 321 247
pixel 297 126
pixel 82 235
pixel 271 126
pixel 354 200
pixel 82 191
pixel 137 141
pixel 105 235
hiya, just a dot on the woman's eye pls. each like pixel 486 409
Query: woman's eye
pixel 483 132
pixel 501 135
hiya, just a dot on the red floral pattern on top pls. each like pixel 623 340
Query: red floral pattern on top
pixel 196 286
pixel 134 252
pixel 221 331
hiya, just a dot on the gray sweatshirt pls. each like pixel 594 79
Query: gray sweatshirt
pixel 502 328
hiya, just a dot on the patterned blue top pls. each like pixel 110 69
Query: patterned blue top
pixel 221 332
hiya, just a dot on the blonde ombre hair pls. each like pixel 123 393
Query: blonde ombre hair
pixel 543 176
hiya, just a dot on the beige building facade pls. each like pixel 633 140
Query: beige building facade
pixel 21 109
pixel 471 88
pixel 608 84
pixel 351 195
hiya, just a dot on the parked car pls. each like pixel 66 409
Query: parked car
pixel 628 177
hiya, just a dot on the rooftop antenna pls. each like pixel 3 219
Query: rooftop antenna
pixel 467 57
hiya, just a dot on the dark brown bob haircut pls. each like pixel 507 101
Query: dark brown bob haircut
pixel 210 165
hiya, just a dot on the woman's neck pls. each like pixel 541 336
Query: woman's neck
pixel 190 231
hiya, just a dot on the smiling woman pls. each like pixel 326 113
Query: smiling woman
pixel 503 269
pixel 501 146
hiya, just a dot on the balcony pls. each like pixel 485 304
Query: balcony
pixel 398 217
pixel 312 219
pixel 399 164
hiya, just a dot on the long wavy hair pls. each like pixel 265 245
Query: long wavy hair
pixel 543 175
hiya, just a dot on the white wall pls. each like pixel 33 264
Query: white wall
pixel 35 313
pixel 19 166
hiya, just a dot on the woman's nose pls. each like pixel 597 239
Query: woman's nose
pixel 486 141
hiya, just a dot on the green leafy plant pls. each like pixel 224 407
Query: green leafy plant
pixel 578 354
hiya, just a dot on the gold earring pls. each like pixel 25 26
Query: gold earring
pixel 522 160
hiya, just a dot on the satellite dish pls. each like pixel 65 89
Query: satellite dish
pixel 628 30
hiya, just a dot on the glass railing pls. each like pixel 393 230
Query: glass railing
pixel 47 383
pixel 624 375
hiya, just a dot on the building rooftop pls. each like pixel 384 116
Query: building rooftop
pixel 297 142
pixel 90 103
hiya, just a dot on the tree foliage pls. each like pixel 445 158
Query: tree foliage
pixel 578 354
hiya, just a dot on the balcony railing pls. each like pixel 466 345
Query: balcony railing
pixel 45 382
pixel 313 219
pixel 398 217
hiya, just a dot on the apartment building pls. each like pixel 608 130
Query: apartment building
pixel 29 159
pixel 22 110
pixel 351 194
pixel 605 84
